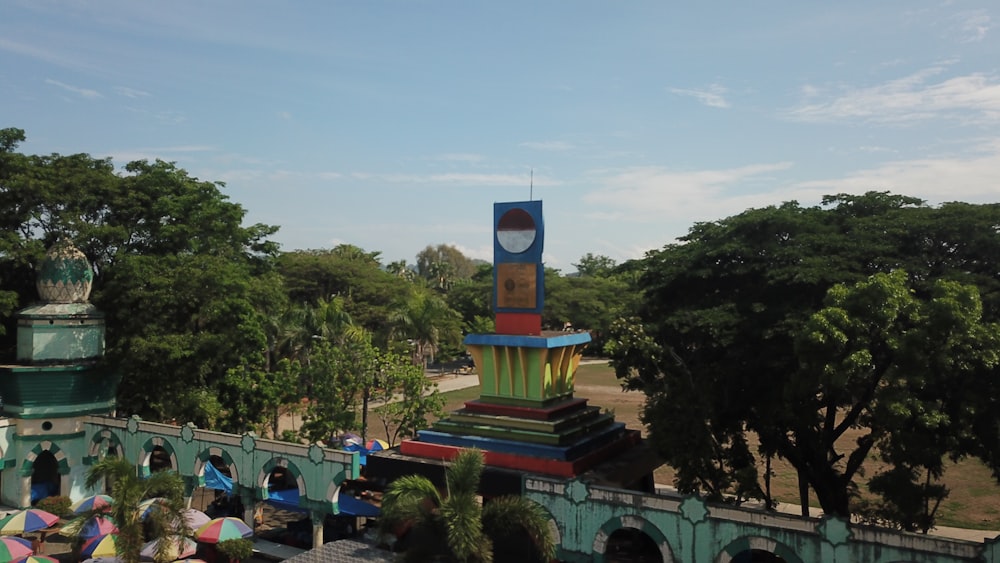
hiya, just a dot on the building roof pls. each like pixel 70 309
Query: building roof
pixel 343 551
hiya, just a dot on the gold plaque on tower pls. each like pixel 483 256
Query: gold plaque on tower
pixel 516 287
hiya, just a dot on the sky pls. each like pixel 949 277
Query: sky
pixel 394 125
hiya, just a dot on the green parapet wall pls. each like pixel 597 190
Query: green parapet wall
pixel 63 390
pixel 531 371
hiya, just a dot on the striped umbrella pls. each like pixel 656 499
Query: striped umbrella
pixel 97 526
pixel 100 546
pixel 147 506
pixel 222 529
pixel 38 559
pixel 94 502
pixel 28 520
pixel 14 548
pixel 177 548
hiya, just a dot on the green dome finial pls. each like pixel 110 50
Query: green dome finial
pixel 64 275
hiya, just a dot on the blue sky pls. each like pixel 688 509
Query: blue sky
pixel 395 125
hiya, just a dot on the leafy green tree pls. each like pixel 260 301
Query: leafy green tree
pixel 442 265
pixel 714 347
pixel 595 265
pixel 258 398
pixel 457 527
pixel 473 298
pixel 338 373
pixel 881 358
pixel 355 276
pixel 175 270
pixel 406 398
pixel 128 490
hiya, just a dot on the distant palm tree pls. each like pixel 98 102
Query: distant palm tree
pixel 458 527
pixel 164 521
pixel 426 320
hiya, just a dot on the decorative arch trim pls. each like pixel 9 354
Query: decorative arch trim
pixel 265 473
pixel 635 522
pixel 203 458
pixel 147 453
pixel 747 543
pixel 103 440
pixel 28 466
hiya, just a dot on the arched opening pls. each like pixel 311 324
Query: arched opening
pixel 44 477
pixel 630 545
pixel 757 556
pixel 159 460
pixel 216 497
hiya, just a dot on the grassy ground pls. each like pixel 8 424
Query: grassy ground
pixel 974 501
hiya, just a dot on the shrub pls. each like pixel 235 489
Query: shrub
pixel 236 550
pixel 58 505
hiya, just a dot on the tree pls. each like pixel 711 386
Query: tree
pixel 442 265
pixel 406 398
pixel 595 265
pixel 176 272
pixel 128 490
pixel 427 321
pixel 456 527
pixel 355 276
pixel 881 358
pixel 714 347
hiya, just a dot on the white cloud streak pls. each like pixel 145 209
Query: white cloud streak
pixel 712 97
pixel 82 92
pixel 552 146
pixel 912 98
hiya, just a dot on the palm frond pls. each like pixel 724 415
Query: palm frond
pixel 508 515
pixel 462 476
pixel 411 498
pixel 462 518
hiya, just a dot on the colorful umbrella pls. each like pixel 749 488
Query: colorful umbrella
pixel 103 560
pixel 178 548
pixel 100 546
pixel 149 505
pixel 195 518
pixel 38 559
pixel 350 439
pixel 14 548
pixel 95 502
pixel 222 529
pixel 28 520
pixel 97 526
pixel 376 445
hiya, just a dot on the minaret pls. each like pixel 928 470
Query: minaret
pixel 57 380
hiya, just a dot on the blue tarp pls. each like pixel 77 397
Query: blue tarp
pixel 215 479
pixel 288 499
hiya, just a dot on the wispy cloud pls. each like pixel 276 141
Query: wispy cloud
pixel 130 92
pixel 284 115
pixel 712 97
pixel 912 98
pixel 459 157
pixel 82 92
pixel 970 26
pixel 547 145
pixel 458 179
pixel 654 193
pixel 945 178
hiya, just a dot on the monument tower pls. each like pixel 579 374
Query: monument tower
pixel 526 420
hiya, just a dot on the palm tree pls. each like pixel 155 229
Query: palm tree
pixel 426 320
pixel 163 522
pixel 458 527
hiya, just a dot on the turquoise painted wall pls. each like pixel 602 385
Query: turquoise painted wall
pixel 691 531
